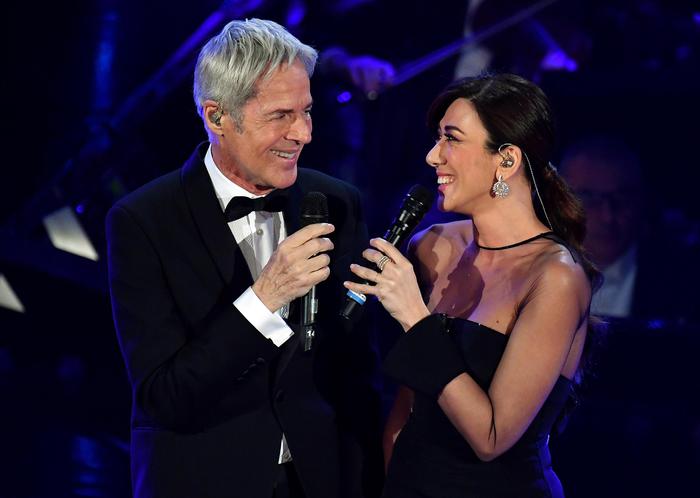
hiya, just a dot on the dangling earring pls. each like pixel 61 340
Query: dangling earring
pixel 500 188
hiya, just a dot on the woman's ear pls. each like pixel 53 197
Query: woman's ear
pixel 213 113
pixel 510 160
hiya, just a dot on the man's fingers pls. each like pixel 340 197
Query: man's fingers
pixel 315 246
pixel 300 237
pixel 320 275
pixel 312 278
pixel 317 262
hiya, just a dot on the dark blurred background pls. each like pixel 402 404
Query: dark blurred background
pixel 98 101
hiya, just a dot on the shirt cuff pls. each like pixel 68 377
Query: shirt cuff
pixel 269 324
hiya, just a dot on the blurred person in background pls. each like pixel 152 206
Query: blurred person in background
pixel 647 269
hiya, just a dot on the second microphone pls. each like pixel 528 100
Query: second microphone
pixel 314 209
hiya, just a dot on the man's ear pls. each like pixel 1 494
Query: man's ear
pixel 212 112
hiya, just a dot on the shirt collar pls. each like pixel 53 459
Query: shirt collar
pixel 622 266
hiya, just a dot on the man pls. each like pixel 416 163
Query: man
pixel 605 174
pixel 640 265
pixel 226 402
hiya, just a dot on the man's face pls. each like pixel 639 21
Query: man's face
pixel 261 154
pixel 613 206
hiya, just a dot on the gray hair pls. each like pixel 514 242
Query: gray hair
pixel 232 62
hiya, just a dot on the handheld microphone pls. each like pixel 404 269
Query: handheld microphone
pixel 416 203
pixel 314 209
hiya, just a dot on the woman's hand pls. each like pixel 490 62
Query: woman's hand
pixel 396 285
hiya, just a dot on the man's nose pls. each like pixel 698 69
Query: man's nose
pixel 300 130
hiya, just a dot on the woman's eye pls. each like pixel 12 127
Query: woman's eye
pixel 446 136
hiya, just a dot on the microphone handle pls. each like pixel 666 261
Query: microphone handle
pixel 403 225
pixel 309 302
pixel 415 205
pixel 309 307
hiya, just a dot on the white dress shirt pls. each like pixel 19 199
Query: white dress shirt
pixel 258 234
pixel 614 298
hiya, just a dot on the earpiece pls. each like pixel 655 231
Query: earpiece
pixel 508 160
pixel 216 117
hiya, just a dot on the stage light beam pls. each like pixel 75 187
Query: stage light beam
pixel 66 234
pixel 8 298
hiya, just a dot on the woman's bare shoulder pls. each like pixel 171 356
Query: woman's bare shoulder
pixel 557 268
pixel 442 235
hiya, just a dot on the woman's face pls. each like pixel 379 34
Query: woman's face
pixel 464 167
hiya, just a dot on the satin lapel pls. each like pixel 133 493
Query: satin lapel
pixel 293 210
pixel 209 219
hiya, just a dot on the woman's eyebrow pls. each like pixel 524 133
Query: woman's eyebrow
pixel 453 128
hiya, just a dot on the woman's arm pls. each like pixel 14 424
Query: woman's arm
pixel 554 311
pixel 398 416
pixel 538 346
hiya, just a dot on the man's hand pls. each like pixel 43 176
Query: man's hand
pixel 295 266
pixel 367 73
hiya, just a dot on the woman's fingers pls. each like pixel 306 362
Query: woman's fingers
pixel 384 247
pixel 365 273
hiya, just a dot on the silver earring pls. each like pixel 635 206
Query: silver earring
pixel 500 188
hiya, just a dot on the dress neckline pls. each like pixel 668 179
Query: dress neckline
pixel 505 338
pixel 481 325
pixel 515 244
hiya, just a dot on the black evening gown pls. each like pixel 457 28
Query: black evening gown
pixel 431 458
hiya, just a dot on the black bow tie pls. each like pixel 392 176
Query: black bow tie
pixel 240 206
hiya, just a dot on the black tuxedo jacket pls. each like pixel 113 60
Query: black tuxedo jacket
pixel 212 395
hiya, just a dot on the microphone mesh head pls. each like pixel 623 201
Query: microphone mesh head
pixel 314 208
pixel 422 194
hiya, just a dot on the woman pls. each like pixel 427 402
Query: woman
pixel 494 341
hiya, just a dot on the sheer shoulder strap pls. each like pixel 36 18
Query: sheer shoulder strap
pixel 556 238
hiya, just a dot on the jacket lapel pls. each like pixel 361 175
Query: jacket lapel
pixel 211 223
pixel 221 245
pixel 292 212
